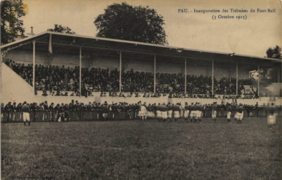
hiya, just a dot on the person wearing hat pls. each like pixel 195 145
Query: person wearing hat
pixel 163 109
pixel 199 112
pixel 93 111
pixel 239 114
pixel 40 111
pixel 196 112
pixel 149 112
pixel 72 107
pixel 214 111
pixel 176 111
pixel 61 113
pixel 87 109
pixel 19 112
pixel 186 111
pixel 83 110
pixel 13 111
pixel 123 110
pixel 104 110
pixel 45 111
pixel 98 110
pixel 271 115
pixel 169 111
pixel 66 112
pixel 182 110
pixel 192 111
pixel 7 112
pixel 229 109
pixel 120 110
pixel 26 111
pixel 51 112
pixel 130 111
pixel 135 110
pixel 158 111
pixel 56 112
pixel 110 111
pixel 78 111
pixel 143 112
pixel 32 111
pixel 115 111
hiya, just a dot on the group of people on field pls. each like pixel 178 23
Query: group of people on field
pixel 194 112
pixel 104 111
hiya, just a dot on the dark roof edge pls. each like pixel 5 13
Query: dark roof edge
pixel 134 43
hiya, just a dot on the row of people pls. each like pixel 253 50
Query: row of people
pixel 124 110
pixel 55 78
pixel 194 111
pixel 96 106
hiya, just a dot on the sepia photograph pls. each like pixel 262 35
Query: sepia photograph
pixel 141 89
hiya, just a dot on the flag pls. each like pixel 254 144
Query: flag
pixel 254 76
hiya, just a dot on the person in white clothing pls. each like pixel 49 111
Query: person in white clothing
pixel 186 111
pixel 26 110
pixel 143 112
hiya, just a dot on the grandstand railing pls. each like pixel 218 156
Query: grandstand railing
pixel 149 95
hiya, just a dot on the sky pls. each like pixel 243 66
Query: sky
pixel 251 36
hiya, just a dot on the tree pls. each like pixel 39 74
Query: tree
pixel 274 52
pixel 122 21
pixel 61 29
pixel 11 25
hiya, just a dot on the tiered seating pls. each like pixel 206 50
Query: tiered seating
pixel 61 80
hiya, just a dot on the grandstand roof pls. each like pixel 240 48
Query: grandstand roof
pixel 72 41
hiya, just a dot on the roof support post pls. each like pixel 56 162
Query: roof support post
pixel 155 71
pixel 185 76
pixel 212 77
pixel 33 68
pixel 279 74
pixel 258 80
pixel 120 71
pixel 80 63
pixel 50 49
pixel 237 80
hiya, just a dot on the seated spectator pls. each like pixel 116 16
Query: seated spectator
pixel 44 93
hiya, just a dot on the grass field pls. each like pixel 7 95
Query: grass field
pixel 142 150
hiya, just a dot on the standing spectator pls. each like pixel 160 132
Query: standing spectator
pixel 7 111
pixel 13 111
pixel 26 115
pixel 19 112
pixel 45 111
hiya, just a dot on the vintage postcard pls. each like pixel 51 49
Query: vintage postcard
pixel 141 89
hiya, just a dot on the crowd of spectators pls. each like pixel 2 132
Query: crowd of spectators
pixel 167 83
pixel 225 86
pixel 137 81
pixel 21 69
pixel 199 84
pixel 64 81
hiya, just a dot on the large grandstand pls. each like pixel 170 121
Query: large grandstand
pixel 75 67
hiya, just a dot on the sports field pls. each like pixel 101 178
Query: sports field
pixel 142 150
